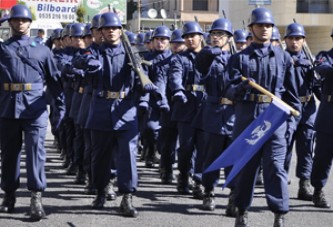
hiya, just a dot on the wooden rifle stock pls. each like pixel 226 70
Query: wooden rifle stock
pixel 231 41
pixel 309 55
pixel 135 59
pixel 272 96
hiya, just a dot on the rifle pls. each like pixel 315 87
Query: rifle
pixel 135 59
pixel 309 56
pixel 231 41
pixel 203 41
pixel 175 21
pixel 293 111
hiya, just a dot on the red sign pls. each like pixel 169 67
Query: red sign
pixel 7 4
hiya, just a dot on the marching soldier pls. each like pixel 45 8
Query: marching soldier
pixel 271 68
pixel 188 94
pixel 68 130
pixel 75 77
pixel 240 39
pixel 322 160
pixel 159 57
pixel 159 106
pixel 307 86
pixel 177 43
pixel 113 114
pixel 25 67
pixel 168 132
pixel 276 37
pixel 218 112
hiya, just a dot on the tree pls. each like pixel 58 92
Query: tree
pixel 33 12
pixel 80 13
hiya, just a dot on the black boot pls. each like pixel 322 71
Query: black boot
pixel 8 202
pixel 36 207
pixel 241 219
pixel 126 207
pixel 80 177
pixel 89 188
pixel 278 220
pixel 208 202
pixel 149 159
pixel 66 162
pixel 71 169
pixel 183 184
pixel 319 199
pixel 167 178
pixel 110 193
pixel 99 200
pixel 230 211
pixel 304 191
pixel 197 191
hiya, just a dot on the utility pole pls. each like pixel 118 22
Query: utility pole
pixel 139 15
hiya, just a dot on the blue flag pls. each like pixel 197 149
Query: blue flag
pixel 247 144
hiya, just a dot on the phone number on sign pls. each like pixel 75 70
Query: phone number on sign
pixel 56 16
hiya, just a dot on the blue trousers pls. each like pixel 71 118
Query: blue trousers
pixel 272 154
pixel 322 160
pixel 304 138
pixel 34 131
pixel 190 151
pixel 124 145
pixel 168 142
pixel 215 144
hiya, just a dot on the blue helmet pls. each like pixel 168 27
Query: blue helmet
pixel 148 37
pixel 66 31
pixel 140 39
pixel 131 37
pixel 176 36
pixel 261 16
pixel 240 36
pixel 109 20
pixel 275 34
pixel 87 30
pixel 295 29
pixel 191 28
pixel 161 31
pixel 95 21
pixel 20 11
pixel 56 33
pixel 76 30
pixel 221 24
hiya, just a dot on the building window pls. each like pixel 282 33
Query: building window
pixel 313 6
pixel 201 5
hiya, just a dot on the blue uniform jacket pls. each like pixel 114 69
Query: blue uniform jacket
pixel 87 83
pixel 115 75
pixel 323 122
pixel 217 118
pixel 183 75
pixel 24 61
pixel 307 85
pixel 273 70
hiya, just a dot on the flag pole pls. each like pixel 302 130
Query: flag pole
pixel 271 95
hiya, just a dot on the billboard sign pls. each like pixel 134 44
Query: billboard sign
pixel 65 10
pixel 94 7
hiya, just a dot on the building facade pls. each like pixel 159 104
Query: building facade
pixel 315 15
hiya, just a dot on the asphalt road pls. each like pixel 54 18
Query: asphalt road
pixel 158 205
